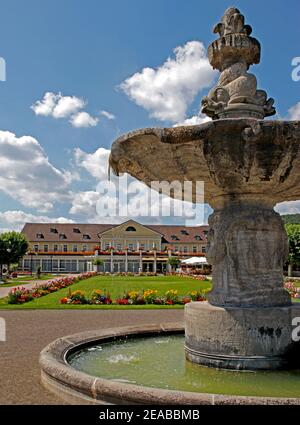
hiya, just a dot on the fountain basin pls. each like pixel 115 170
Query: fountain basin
pixel 75 386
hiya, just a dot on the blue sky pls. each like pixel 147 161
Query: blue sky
pixel 87 49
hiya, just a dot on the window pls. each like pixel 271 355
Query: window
pixel 75 248
pixel 130 247
pixel 184 232
pixel 176 248
pixel 185 249
pixel 119 247
pixel 142 246
pixel 65 248
pixel 204 249
pixel 84 248
pixel 198 238
pixel 36 248
pixel 107 246
pixel 40 236
pixel 174 238
pixel 46 248
pixel 62 236
pixel 76 230
pixel 194 249
pixel 53 230
pixel 55 248
pixel 86 237
pixel 131 229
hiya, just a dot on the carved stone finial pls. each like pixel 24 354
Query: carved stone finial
pixel 233 22
pixel 236 93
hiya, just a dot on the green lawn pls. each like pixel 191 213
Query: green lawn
pixel 23 280
pixel 116 285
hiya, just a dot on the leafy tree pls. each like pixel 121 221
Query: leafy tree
pixel 174 262
pixel 293 232
pixel 291 218
pixel 97 262
pixel 13 246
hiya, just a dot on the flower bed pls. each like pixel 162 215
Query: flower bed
pixel 292 289
pixel 150 296
pixel 22 295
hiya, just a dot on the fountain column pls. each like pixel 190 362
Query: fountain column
pixel 247 322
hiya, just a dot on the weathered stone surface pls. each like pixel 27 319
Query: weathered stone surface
pixel 234 157
pixel 247 247
pixel 241 338
pixel 235 94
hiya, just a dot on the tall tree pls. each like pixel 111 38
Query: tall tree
pixel 13 246
pixel 293 232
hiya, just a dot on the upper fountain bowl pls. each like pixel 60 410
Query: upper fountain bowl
pixel 234 157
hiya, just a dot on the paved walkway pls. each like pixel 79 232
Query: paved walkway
pixel 28 332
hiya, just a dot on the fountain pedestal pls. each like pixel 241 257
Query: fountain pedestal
pixel 239 338
pixel 247 323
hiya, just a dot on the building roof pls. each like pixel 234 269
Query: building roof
pixel 69 232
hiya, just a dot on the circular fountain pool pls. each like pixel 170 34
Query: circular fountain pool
pixel 146 365
pixel 159 362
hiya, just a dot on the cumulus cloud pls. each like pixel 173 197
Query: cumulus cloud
pixel 195 120
pixel 95 163
pixel 291 207
pixel 59 106
pixel 166 92
pixel 27 175
pixel 16 219
pixel 84 203
pixel 294 112
pixel 83 119
pixel 129 197
pixel 108 115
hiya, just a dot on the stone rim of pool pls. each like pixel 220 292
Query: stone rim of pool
pixel 75 386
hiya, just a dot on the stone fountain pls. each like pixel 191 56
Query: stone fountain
pixel 248 165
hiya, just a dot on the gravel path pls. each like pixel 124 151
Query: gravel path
pixel 28 332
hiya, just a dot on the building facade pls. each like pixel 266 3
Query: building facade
pixel 126 247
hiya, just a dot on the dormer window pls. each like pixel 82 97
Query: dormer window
pixel 86 237
pixel 174 238
pixel 131 229
pixel 76 230
pixel 198 238
pixel 40 236
pixel 53 230
pixel 184 232
pixel 62 236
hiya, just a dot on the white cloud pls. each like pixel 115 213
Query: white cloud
pixel 108 115
pixel 195 120
pixel 83 119
pixel 84 203
pixel 57 105
pixel 27 175
pixel 95 163
pixel 166 92
pixel 138 200
pixel 291 207
pixel 17 219
pixel 294 112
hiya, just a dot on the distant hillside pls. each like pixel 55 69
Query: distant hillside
pixel 291 218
